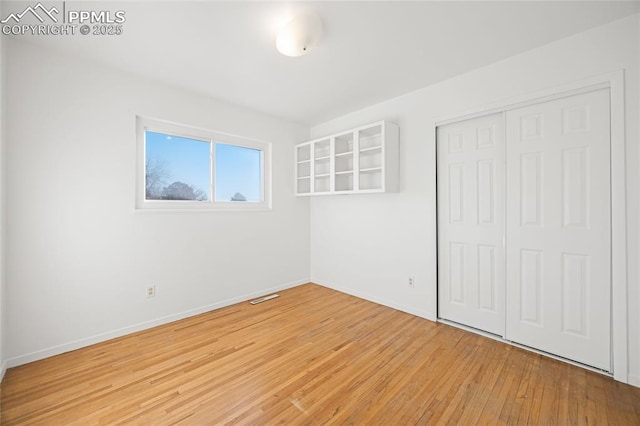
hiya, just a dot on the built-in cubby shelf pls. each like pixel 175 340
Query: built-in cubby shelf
pixel 361 160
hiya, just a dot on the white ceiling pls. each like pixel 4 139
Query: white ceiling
pixel 370 51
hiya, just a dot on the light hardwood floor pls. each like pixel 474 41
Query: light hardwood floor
pixel 312 356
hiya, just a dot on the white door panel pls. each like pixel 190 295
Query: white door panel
pixel 470 223
pixel 558 227
pixel 545 187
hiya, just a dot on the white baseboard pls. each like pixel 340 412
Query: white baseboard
pixel 3 369
pixel 77 344
pixel 634 380
pixel 389 303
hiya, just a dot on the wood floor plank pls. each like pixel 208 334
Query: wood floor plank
pixel 311 356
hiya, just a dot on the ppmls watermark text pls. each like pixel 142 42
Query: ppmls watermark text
pixel 60 18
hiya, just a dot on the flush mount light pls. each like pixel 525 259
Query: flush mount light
pixel 299 35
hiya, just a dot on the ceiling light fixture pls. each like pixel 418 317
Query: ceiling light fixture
pixel 299 35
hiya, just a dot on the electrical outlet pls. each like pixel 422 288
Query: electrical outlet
pixel 151 291
pixel 411 282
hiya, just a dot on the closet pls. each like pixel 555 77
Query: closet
pixel 524 226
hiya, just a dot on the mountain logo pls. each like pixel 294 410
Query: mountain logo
pixel 38 11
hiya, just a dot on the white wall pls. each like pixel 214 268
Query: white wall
pixel 368 245
pixel 2 203
pixel 634 254
pixel 78 257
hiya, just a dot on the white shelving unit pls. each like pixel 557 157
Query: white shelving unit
pixel 321 168
pixel 361 160
pixel 343 162
pixel 303 169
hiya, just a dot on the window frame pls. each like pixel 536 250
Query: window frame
pixel 144 124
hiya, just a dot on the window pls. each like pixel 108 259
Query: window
pixel 238 173
pixel 188 168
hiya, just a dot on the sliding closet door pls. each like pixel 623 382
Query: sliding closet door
pixel 558 244
pixel 471 223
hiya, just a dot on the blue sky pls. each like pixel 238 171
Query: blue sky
pixel 187 160
pixel 238 170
